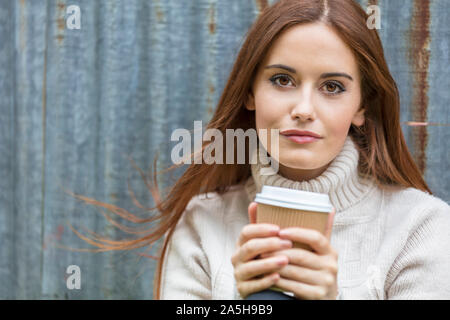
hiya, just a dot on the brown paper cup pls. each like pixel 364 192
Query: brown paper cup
pixel 287 217
pixel 293 208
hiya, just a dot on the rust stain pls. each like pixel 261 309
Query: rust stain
pixel 261 4
pixel 61 21
pixel 419 59
pixel 211 90
pixel 159 15
pixel 60 232
pixel 416 124
pixel 373 2
pixel 212 22
pixel 53 237
pixel 422 124
pixel 159 12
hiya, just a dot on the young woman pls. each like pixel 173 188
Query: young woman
pixel 308 65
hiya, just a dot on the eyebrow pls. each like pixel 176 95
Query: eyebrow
pixel 322 76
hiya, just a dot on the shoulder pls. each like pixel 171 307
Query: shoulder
pixel 416 238
pixel 415 199
pixel 414 207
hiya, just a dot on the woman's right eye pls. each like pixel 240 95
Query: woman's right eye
pixel 280 80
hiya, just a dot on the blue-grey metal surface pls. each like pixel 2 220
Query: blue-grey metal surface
pixel 75 103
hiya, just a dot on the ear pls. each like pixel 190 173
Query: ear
pixel 250 103
pixel 359 118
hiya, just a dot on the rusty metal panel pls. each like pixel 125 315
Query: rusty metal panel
pixel 75 103
pixel 437 172
pixel 418 59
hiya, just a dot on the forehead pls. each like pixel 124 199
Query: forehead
pixel 312 48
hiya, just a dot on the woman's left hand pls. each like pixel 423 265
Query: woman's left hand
pixel 310 275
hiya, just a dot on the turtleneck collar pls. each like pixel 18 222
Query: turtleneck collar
pixel 341 180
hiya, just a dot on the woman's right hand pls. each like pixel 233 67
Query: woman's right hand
pixel 254 274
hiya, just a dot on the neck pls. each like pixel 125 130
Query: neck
pixel 340 179
pixel 299 174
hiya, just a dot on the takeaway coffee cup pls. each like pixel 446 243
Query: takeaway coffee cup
pixel 290 208
pixel 293 208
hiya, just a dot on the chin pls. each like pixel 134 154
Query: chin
pixel 301 163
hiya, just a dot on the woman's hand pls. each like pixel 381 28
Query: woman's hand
pixel 309 274
pixel 251 273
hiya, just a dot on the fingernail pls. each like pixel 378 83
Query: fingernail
pixel 286 243
pixel 274 228
pixel 281 260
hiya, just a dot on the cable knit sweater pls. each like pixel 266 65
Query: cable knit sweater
pixel 392 244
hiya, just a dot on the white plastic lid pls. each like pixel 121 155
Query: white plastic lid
pixel 294 199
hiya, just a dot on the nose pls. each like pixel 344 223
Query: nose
pixel 303 108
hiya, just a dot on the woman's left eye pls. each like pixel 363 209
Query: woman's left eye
pixel 333 87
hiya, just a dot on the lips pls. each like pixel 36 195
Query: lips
pixel 300 133
pixel 301 136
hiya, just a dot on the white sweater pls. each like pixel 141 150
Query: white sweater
pixel 391 244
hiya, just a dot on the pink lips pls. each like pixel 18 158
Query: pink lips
pixel 301 136
pixel 302 139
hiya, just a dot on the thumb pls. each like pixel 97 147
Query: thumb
pixel 252 212
pixel 329 227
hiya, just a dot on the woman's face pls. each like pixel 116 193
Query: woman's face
pixel 309 80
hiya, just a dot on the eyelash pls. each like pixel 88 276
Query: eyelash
pixel 336 83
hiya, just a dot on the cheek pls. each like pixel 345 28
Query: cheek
pixel 268 111
pixel 337 125
pixel 338 118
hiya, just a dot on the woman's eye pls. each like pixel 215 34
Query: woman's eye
pixel 333 88
pixel 280 80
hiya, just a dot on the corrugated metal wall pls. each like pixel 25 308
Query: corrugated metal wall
pixel 75 103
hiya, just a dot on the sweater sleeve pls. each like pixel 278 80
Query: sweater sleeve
pixel 186 272
pixel 421 270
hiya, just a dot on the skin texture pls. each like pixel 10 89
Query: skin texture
pixel 303 100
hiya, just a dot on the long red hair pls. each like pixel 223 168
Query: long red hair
pixel 384 155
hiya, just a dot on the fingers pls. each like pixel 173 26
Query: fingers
pixel 302 290
pixel 255 285
pixel 260 230
pixel 254 247
pixel 318 242
pixel 254 268
pixel 252 212
pixel 305 258
pixel 306 275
